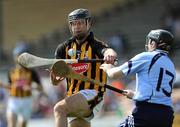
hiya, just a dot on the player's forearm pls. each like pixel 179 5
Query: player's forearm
pixel 114 73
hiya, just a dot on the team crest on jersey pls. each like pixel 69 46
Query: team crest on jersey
pixel 79 67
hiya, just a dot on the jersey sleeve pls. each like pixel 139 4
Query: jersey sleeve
pixel 60 51
pixel 100 47
pixel 134 65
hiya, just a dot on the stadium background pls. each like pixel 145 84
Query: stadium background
pixel 42 24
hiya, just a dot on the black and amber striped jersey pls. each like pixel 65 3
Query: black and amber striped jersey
pixel 19 78
pixel 91 48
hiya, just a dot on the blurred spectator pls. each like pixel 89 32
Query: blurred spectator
pixel 176 100
pixel 171 22
pixel 19 106
pixel 177 81
pixel 3 98
pixel 167 19
pixel 119 43
pixel 111 101
pixel 177 105
pixel 176 27
pixel 42 107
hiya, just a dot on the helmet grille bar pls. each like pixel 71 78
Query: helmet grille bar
pixel 79 14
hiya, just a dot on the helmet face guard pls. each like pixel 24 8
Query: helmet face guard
pixel 80 14
pixel 163 39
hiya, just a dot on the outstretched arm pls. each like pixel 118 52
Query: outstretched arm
pixel 112 72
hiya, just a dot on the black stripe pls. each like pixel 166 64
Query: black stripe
pixel 82 85
pixel 93 70
pixel 68 81
pixel 129 66
pixel 101 75
pixel 154 59
pixel 78 52
pixel 160 79
pixel 166 93
pixel 93 73
pixel 74 85
pixel 91 86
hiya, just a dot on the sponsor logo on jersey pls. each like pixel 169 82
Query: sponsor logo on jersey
pixel 79 67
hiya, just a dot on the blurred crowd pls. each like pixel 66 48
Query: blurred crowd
pixel 171 21
pixel 114 102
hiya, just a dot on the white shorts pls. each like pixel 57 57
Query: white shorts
pixel 22 107
pixel 89 95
